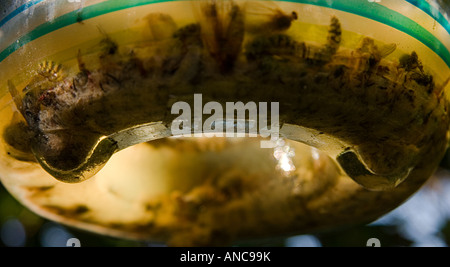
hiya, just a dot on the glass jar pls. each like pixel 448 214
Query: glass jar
pixel 209 122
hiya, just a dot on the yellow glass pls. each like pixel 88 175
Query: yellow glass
pixel 88 91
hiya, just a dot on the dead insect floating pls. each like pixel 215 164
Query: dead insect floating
pixel 223 29
pixel 267 17
pixel 335 96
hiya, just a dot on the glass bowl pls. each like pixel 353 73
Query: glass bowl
pixel 199 123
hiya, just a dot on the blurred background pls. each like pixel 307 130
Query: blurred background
pixel 422 221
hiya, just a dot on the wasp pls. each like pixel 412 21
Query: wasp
pixel 375 53
pixel 334 37
pixel 29 102
pixel 183 58
pixel 37 92
pixel 366 57
pixel 267 17
pixel 411 62
pixel 321 55
pixel 222 30
pixel 162 26
pixel 50 70
pixel 414 68
pixel 283 45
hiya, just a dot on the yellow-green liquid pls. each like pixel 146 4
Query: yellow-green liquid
pixel 205 191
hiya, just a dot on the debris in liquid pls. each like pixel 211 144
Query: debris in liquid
pixel 345 93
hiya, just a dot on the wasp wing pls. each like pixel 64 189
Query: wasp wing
pixel 386 50
pixel 266 16
pixel 222 28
